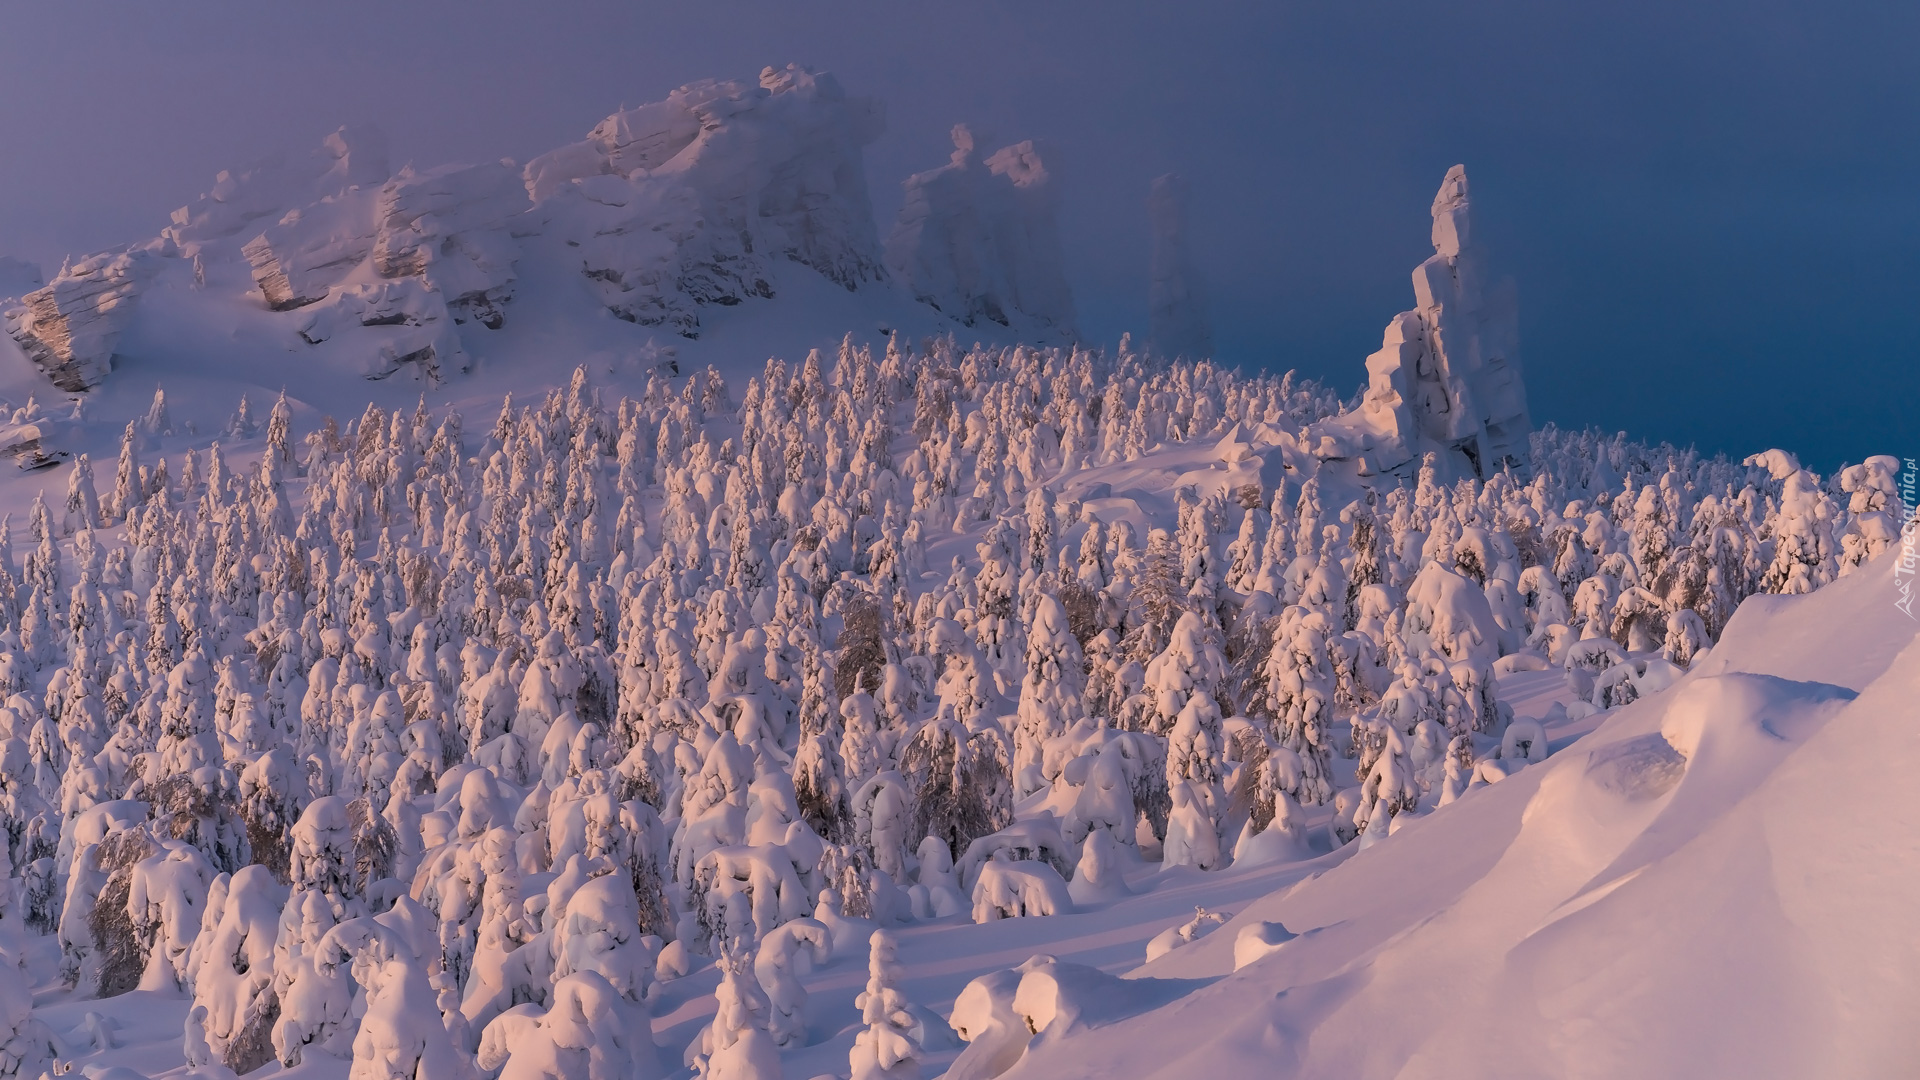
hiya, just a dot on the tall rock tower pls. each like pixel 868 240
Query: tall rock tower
pixel 1447 376
pixel 1177 323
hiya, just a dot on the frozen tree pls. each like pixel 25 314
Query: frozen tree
pixel 231 968
pixel 1195 757
pixel 1803 558
pixel 401 1033
pixel 585 1033
pixel 1051 692
pixel 83 501
pixel 960 783
pixel 778 964
pixel 736 1045
pixel 885 1049
pixel 1190 668
pixel 1300 692
pixel 166 898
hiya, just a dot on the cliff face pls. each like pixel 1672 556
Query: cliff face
pixel 661 211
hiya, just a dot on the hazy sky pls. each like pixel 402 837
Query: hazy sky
pixel 1712 209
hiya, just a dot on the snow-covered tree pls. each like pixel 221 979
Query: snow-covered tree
pixel 885 1049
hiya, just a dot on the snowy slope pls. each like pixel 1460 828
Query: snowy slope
pixel 1713 883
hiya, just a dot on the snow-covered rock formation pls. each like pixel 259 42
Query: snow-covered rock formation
pixel 238 204
pixel 1446 379
pixel 425 249
pixel 299 271
pixel 69 328
pixel 979 241
pixel 683 202
pixel 699 201
pixel 1177 323
pixel 443 226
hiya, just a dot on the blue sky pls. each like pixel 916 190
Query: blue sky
pixel 1712 209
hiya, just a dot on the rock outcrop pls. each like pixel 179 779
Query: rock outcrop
pixel 683 202
pixel 663 211
pixel 299 259
pixel 978 240
pixel 449 227
pixel 428 339
pixel 1446 379
pixel 445 226
pixel 70 327
pixel 349 158
pixel 1177 323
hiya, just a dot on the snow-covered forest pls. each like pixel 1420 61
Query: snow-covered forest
pixel 450 747
pixel 866 714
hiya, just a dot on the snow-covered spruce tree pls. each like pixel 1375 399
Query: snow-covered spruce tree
pixel 1300 692
pixel 101 948
pixel 584 1034
pixel 1803 552
pixel 1051 693
pixel 1873 510
pixel 230 968
pixel 1390 787
pixel 401 1033
pixel 1190 667
pixel 885 1049
pixel 779 962
pixel 960 782
pixel 1155 597
pixel 736 1045
pixel 1195 780
pixel 311 983
pixel 166 898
